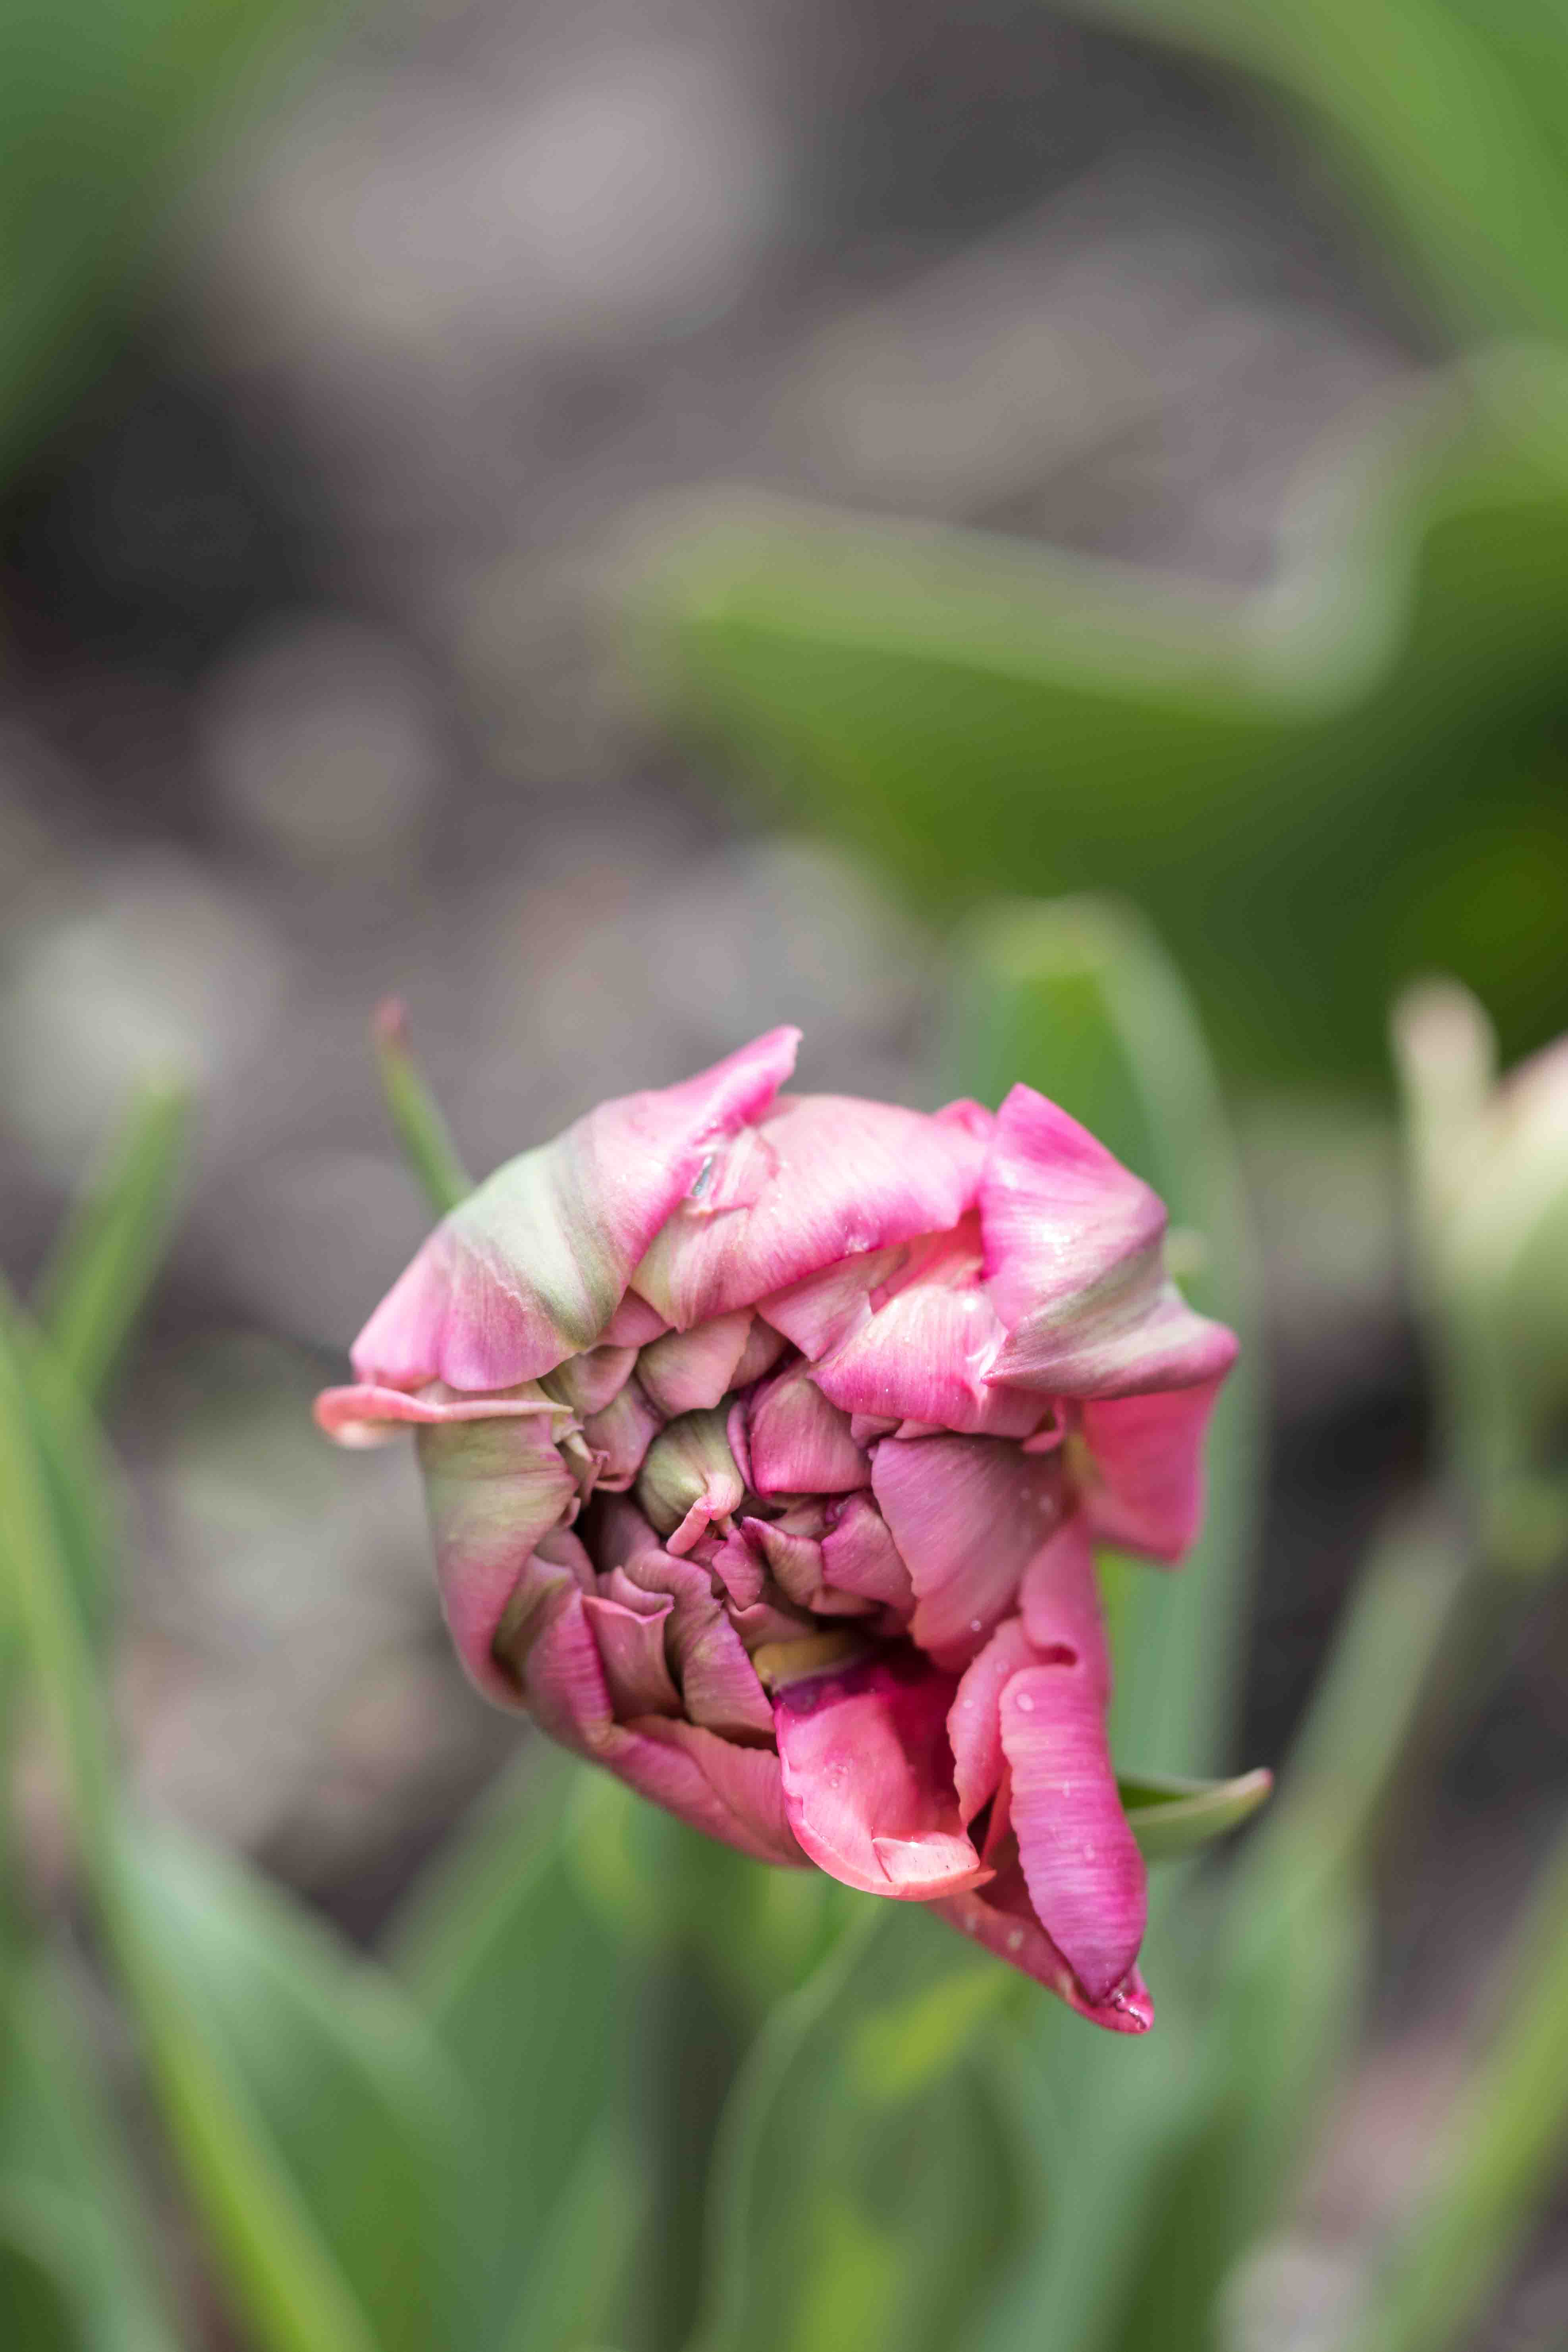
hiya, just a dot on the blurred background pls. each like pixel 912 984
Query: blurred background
pixel 374 388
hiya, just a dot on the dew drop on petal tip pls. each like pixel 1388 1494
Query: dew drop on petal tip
pixel 1015 1939
pixel 1025 1704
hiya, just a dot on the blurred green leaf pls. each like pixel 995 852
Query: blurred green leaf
pixel 532 2002
pixel 354 2098
pixel 99 103
pixel 977 715
pixel 416 1117
pixel 295 2296
pixel 58 2132
pixel 867 2188
pixel 1076 997
pixel 1447 118
pixel 1172 1818
pixel 1505 2140
pixel 38 2247
pixel 109 1255
pixel 577 2284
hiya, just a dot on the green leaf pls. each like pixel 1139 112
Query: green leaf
pixel 1505 2140
pixel 1453 134
pixel 1171 1818
pixel 533 2004
pixel 109 1255
pixel 416 1115
pixel 295 2296
pixel 867 2188
pixel 351 2093
pixel 58 2133
pixel 977 715
pixel 577 2284
pixel 38 2248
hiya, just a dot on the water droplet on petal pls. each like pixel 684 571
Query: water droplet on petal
pixel 1025 1704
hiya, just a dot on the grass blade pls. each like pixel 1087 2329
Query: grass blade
pixel 416 1117
pixel 109 1255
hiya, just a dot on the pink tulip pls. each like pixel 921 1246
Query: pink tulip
pixel 766 1438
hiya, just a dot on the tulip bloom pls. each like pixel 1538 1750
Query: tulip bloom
pixel 766 1438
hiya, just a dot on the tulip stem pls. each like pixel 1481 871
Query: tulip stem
pixel 416 1117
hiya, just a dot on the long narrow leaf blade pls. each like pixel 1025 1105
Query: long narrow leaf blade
pixel 109 1256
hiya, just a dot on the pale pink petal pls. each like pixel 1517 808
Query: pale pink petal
pixel 844 1176
pixel 859 1555
pixel 634 1324
pixel 630 1644
pixel 998 1917
pixel 493 1488
pixel 688 1370
pixel 1073 1263
pixel 588 1383
pixel 918 1345
pixel 689 1479
pixel 367 1415
pixel 868 1777
pixel 763 1348
pixel 799 1442
pixel 620 1435
pixel 967 1513
pixel 974 1722
pixel 794 1561
pixel 738 1569
pixel 532 1267
pixel 1144 1486
pixel 820 1311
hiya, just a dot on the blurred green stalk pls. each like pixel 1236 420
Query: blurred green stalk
pixel 416 1117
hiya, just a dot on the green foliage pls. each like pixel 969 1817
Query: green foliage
pixel 108 1257
pixel 99 100
pixel 865 2189
pixel 416 1117
pixel 978 715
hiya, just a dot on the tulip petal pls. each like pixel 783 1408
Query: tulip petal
pixel 1144 1489
pixel 366 1414
pixel 1073 1263
pixel 1086 1877
pixel 533 1265
pixel 868 1777
pixel 799 1442
pixel 493 1488
pixel 967 1513
pixel 588 1383
pixel 999 1918
pixel 974 1721
pixel 841 1176
pixel 917 1344
pixel 859 1555
pixel 689 1479
pixel 619 1437
pixel 718 1682
pixel 687 1371
pixel 630 1643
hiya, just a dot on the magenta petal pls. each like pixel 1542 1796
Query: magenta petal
pixel 1085 1874
pixel 493 1488
pixel 630 1644
pixel 868 1777
pixel 974 1721
pixel 729 1792
pixel 838 1176
pixel 718 1682
pixel 1061 1605
pixel 967 1515
pixel 533 1265
pixel 1073 1263
pixel 999 1918
pixel 859 1555
pixel 1145 1486
pixel 799 1442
